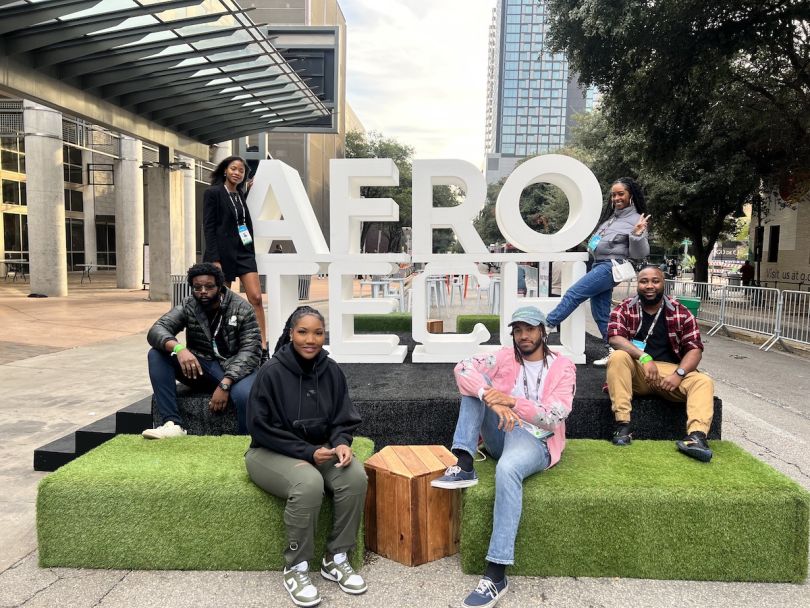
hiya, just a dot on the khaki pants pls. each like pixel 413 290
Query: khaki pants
pixel 302 485
pixel 625 378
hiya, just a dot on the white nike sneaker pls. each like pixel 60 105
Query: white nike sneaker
pixel 168 429
pixel 603 361
pixel 299 586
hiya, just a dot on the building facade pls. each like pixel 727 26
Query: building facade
pixel 531 96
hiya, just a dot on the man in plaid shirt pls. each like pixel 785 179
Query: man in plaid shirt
pixel 657 351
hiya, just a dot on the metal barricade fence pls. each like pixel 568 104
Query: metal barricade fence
pixel 710 296
pixel 793 322
pixel 180 288
pixel 753 309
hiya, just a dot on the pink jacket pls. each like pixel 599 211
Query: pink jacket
pixel 500 370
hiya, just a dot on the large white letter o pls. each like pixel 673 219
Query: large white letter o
pixel 578 184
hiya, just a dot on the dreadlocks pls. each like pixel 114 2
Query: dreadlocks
pixel 544 346
pixel 299 312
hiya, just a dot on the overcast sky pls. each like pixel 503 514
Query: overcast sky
pixel 417 71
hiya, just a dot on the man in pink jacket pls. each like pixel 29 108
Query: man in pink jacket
pixel 517 398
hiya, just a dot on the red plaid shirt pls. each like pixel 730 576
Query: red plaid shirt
pixel 683 330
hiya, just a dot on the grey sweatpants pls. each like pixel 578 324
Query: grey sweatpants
pixel 302 485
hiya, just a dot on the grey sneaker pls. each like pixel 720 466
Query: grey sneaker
pixel 166 430
pixel 455 477
pixel 343 574
pixel 299 586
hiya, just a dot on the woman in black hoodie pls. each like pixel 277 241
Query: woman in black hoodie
pixel 301 421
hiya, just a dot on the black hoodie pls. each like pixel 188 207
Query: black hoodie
pixel 294 412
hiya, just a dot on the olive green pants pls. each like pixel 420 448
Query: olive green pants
pixel 302 485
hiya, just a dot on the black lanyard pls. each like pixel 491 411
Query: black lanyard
pixel 526 383
pixel 652 325
pixel 215 332
pixel 234 196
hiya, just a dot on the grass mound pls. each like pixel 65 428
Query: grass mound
pixel 180 504
pixel 391 322
pixel 465 323
pixel 647 511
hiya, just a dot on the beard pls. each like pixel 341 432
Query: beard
pixel 529 349
pixel 652 300
pixel 210 304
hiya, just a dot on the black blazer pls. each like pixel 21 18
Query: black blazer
pixel 220 228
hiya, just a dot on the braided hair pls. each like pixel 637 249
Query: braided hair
pixel 301 311
pixel 636 197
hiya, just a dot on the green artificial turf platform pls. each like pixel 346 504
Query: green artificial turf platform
pixel 174 504
pixel 647 511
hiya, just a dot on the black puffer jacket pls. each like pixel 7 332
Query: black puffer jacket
pixel 240 329
pixel 294 413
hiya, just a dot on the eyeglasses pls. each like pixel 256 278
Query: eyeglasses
pixel 200 288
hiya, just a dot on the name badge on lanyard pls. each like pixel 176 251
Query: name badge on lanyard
pixel 244 234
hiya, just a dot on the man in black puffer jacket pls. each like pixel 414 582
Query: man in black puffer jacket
pixel 221 355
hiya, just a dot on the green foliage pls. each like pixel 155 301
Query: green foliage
pixel 176 504
pixel 633 512
pixel 376 145
pixel 466 323
pixel 393 321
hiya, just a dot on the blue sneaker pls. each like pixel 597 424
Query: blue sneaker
pixel 486 594
pixel 454 478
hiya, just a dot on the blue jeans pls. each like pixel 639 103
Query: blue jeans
pixel 597 285
pixel 520 455
pixel 164 370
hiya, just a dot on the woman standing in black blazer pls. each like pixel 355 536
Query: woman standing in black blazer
pixel 229 233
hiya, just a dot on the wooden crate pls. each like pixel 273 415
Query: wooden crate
pixel 406 519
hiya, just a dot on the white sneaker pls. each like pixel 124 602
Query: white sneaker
pixel 603 361
pixel 340 571
pixel 299 586
pixel 169 429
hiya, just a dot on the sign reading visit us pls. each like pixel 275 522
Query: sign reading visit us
pixel 281 211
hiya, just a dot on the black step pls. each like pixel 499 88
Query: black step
pixel 53 455
pixel 94 434
pixel 134 418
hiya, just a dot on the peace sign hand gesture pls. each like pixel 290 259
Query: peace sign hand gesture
pixel 641 225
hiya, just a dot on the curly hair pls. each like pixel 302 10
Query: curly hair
pixel 218 174
pixel 301 311
pixel 206 268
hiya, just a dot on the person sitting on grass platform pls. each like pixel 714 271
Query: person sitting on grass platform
pixel 220 357
pixel 657 351
pixel 518 399
pixel 302 422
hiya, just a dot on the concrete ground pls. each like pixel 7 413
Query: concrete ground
pixel 65 362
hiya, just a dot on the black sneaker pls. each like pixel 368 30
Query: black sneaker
pixel 622 434
pixel 695 446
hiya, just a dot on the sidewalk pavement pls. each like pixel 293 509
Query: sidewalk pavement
pixel 65 362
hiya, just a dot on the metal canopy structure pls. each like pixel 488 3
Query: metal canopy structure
pixel 199 68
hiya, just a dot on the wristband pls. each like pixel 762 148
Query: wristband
pixel 645 358
pixel 177 348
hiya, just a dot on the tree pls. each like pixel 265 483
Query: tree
pixel 715 94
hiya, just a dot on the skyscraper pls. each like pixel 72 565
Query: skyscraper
pixel 531 97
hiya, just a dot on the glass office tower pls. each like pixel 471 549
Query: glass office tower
pixel 531 97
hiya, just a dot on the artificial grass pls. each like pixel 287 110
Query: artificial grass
pixel 179 504
pixel 647 511
pixel 393 321
pixel 465 323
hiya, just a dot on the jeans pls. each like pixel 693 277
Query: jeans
pixel 520 455
pixel 164 370
pixel 597 285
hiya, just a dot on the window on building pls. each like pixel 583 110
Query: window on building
pixel 13 192
pixel 74 200
pixel 105 239
pixel 15 234
pixel 74 241
pixel 773 244
pixel 12 154
pixel 72 165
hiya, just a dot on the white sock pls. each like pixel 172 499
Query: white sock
pixel 339 558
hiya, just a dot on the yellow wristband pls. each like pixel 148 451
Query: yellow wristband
pixel 645 358
pixel 177 348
